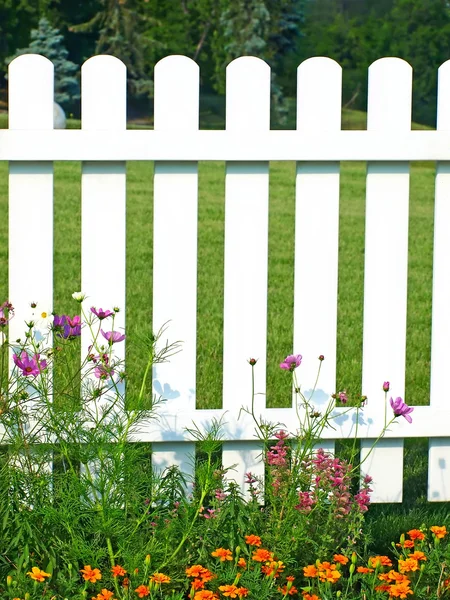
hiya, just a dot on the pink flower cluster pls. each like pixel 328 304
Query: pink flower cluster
pixel 330 484
pixel 278 461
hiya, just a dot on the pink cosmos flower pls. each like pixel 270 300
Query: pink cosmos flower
pixel 113 336
pixel 103 371
pixel 100 313
pixel 291 362
pixel 6 313
pixel 401 409
pixel 30 366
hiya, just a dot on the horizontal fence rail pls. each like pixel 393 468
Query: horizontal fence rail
pixel 246 145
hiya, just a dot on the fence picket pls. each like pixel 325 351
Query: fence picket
pixel 246 256
pixel 439 449
pixel 319 90
pixel 175 247
pixel 103 199
pixel 30 193
pixel 386 271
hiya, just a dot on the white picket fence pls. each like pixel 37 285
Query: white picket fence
pixel 247 144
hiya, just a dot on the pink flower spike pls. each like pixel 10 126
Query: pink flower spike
pixel 30 366
pixel 401 409
pixel 100 313
pixel 113 336
pixel 291 362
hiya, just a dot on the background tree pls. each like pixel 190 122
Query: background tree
pixel 47 41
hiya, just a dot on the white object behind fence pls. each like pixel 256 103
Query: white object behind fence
pixel 247 144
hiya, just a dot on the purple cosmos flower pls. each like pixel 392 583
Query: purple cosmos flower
pixel 100 313
pixel 59 321
pixel 401 409
pixel 31 366
pixel 291 362
pixel 113 336
pixel 72 326
pixel 6 313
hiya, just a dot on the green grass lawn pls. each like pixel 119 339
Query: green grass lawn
pixel 280 310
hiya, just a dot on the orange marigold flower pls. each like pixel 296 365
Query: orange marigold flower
pixel 118 571
pixel 198 584
pixel 364 570
pixel 310 571
pixel 385 587
pixel 199 572
pixel 416 534
pixel 37 574
pixel 262 555
pixel 380 561
pixel 205 595
pixel 399 590
pixel 409 564
pixel 242 562
pixel 272 568
pixel 126 582
pixel 439 532
pixel 253 540
pixel 160 578
pixel 222 553
pixel 142 591
pixel 229 590
pixel 290 578
pixel 393 576
pixel 91 575
pixel 103 595
pixel 242 592
pixel 406 544
pixel 307 596
pixel 340 558
pixel 285 591
pixel 417 555
pixel 329 575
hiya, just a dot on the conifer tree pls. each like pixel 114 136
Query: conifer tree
pixel 47 41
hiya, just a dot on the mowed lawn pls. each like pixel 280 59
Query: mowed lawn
pixel 210 271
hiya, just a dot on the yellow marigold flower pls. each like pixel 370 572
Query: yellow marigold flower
pixel 380 561
pixel 439 532
pixel 104 595
pixel 310 571
pixel 118 571
pixel 222 553
pixel 262 555
pixel 340 558
pixel 142 591
pixel 89 574
pixel 409 564
pixel 37 574
pixel 160 578
pixel 253 540
pixel 416 534
pixel 229 590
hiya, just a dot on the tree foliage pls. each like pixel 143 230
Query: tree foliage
pixel 213 32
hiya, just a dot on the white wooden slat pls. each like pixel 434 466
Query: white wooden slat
pixel 220 145
pixel 246 258
pixel 175 248
pixel 386 270
pixel 439 449
pixel 319 90
pixel 30 194
pixel 103 198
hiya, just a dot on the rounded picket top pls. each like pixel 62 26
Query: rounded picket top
pixel 103 93
pixel 319 94
pixel 30 92
pixel 443 98
pixel 177 94
pixel 248 94
pixel 389 104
